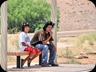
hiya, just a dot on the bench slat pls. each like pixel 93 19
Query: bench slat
pixel 17 53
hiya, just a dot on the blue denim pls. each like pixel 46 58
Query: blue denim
pixel 45 49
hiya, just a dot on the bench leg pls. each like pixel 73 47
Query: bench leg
pixel 40 59
pixel 18 62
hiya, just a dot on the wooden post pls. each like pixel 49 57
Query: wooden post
pixel 4 36
pixel 54 19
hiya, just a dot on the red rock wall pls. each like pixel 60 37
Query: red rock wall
pixel 76 15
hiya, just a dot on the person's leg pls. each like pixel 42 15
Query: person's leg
pixel 44 49
pixel 28 57
pixel 52 54
pixel 38 52
pixel 32 53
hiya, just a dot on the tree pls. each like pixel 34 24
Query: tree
pixel 35 12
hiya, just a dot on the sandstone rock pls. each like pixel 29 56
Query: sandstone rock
pixel 76 15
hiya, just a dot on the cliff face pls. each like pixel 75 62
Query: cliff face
pixel 76 15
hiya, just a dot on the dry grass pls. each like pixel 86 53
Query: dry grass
pixel 81 43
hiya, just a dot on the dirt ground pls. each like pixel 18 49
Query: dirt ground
pixel 90 60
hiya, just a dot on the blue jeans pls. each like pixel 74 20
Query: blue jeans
pixel 45 49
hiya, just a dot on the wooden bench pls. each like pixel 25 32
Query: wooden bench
pixel 21 53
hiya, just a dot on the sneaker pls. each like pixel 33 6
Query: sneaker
pixel 22 60
pixel 54 64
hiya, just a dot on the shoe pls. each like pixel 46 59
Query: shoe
pixel 54 64
pixel 28 63
pixel 45 65
pixel 22 63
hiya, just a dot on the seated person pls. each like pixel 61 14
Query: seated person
pixel 24 44
pixel 42 40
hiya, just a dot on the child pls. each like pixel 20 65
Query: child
pixel 24 44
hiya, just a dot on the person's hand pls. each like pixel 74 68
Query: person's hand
pixel 33 47
pixel 51 33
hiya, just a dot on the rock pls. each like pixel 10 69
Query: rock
pixel 78 57
pixel 76 15
pixel 81 56
pixel 82 53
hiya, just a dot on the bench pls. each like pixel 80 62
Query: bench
pixel 21 53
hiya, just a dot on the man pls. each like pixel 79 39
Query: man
pixel 42 40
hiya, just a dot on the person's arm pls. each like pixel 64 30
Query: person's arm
pixel 47 40
pixel 22 39
pixel 24 44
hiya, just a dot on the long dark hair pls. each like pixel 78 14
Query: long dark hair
pixel 48 23
pixel 24 25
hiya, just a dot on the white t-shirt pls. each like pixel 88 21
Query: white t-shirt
pixel 23 37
